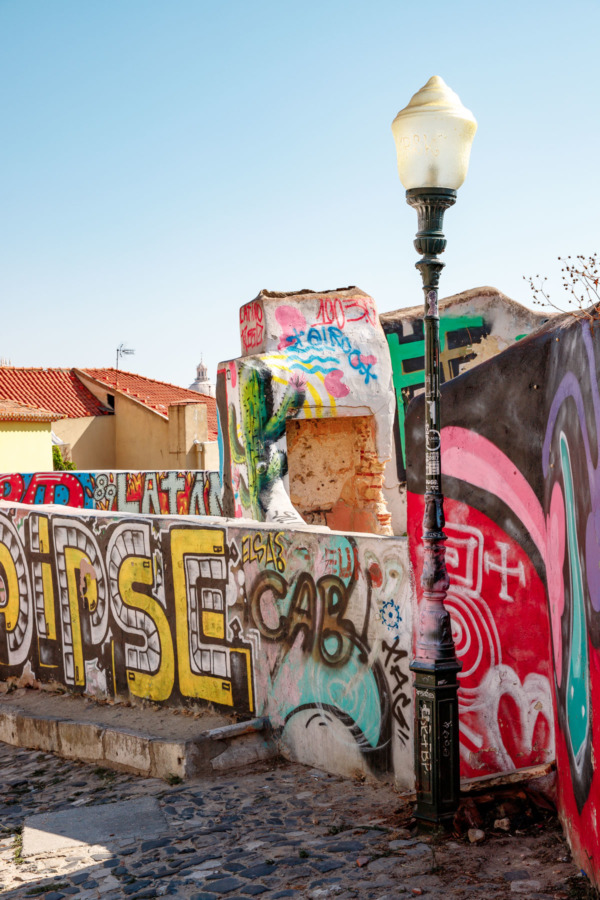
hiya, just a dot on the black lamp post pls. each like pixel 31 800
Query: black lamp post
pixel 433 137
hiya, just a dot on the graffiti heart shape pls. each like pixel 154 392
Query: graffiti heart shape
pixel 507 717
pixel 334 384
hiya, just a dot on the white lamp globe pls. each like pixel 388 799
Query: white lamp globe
pixel 433 136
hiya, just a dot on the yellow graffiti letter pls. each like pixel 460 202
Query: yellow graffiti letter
pixel 194 542
pixel 10 606
pixel 157 685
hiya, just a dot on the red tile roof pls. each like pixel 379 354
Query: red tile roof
pixel 12 411
pixel 57 390
pixel 157 395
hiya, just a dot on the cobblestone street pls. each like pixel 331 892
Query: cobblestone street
pixel 277 831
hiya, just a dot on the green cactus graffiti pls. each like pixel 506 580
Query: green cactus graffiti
pixel 261 427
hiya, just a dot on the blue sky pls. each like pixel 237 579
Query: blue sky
pixel 163 161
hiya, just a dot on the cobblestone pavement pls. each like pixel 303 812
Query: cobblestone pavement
pixel 279 831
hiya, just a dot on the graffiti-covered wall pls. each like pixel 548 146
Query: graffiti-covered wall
pixel 307 626
pixel 521 464
pixel 314 357
pixel 192 493
pixel 474 326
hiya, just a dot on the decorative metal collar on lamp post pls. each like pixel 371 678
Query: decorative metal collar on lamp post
pixel 433 137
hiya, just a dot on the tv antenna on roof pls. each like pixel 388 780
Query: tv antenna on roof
pixel 122 350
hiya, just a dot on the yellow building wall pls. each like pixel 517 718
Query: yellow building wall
pixel 92 441
pixel 25 447
pixel 188 433
pixel 141 437
pixel 136 437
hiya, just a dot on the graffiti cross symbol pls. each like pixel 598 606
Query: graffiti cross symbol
pixel 504 570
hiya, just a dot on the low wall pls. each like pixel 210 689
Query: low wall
pixel 308 357
pixel 474 326
pixel 309 627
pixel 521 464
pixel 194 493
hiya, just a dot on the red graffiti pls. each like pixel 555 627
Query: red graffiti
pixel 339 562
pixel 500 627
pixel 251 325
pixel 375 574
pixel 331 312
pixel 339 312
pixel 45 483
pixel 363 308
pixel 12 487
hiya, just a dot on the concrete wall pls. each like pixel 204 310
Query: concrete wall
pixel 474 326
pixel 311 628
pixel 176 492
pixel 313 356
pixel 91 439
pixel 335 475
pixel 25 444
pixel 520 457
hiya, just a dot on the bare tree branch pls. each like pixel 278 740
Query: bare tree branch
pixel 581 282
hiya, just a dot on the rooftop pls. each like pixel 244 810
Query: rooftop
pixel 13 411
pixel 62 394
pixel 157 395
pixel 52 390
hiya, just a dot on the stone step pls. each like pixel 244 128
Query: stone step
pixel 154 742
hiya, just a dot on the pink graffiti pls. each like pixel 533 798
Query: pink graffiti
pixel 368 360
pixel 334 384
pixel 233 374
pixel 477 461
pixel 290 321
pixel 298 381
pixel 554 563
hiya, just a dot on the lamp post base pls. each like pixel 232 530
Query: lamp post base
pixel 436 742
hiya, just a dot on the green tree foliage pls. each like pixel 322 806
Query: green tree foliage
pixel 60 464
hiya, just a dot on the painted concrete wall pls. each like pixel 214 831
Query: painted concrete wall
pixel 474 326
pixel 308 356
pixel 91 439
pixel 25 444
pixel 520 457
pixel 311 628
pixel 176 492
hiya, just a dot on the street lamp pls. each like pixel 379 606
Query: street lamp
pixel 433 136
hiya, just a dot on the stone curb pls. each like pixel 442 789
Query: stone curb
pixel 217 750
